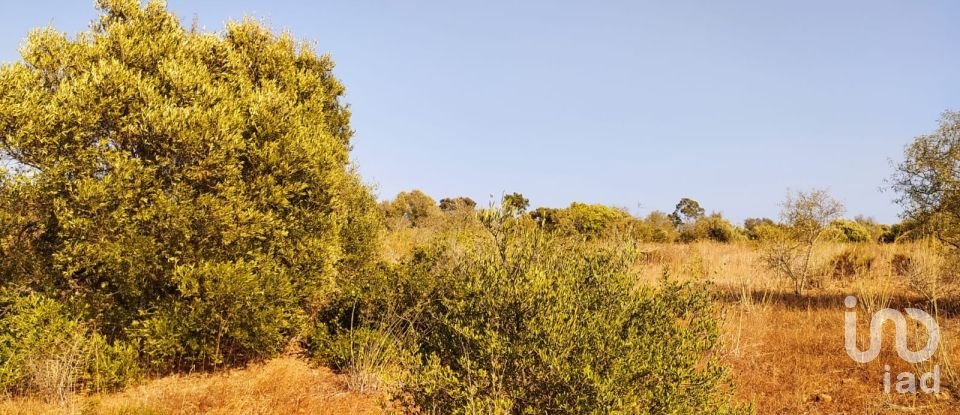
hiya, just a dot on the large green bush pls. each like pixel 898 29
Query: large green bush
pixel 847 230
pixel 187 190
pixel 518 320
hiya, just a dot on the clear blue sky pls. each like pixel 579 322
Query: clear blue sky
pixel 627 103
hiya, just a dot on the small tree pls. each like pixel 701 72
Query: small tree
pixel 413 207
pixel 192 190
pixel 515 203
pixel 753 225
pixel 662 227
pixel 789 249
pixel 457 204
pixel 928 180
pixel 687 211
pixel 546 218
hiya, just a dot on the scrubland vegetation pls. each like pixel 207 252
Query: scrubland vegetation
pixel 182 231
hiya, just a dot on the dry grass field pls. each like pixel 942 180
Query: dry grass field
pixel 285 385
pixel 786 352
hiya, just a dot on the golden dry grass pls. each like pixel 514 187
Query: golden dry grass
pixel 786 352
pixel 282 386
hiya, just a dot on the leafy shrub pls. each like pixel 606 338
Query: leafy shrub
pixel 661 227
pixel 753 226
pixel 411 208
pixel 515 202
pixel 36 334
pixel 546 218
pixel 520 320
pixel 710 228
pixel 849 231
pixel 591 221
pixel 43 350
pixel 110 366
pixel 457 204
pixel 228 313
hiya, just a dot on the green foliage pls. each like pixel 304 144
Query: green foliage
pixel 26 233
pixel 413 208
pixel 521 320
pixel 928 181
pixel 752 226
pixel 34 329
pixel 228 312
pixel 515 202
pixel 591 220
pixel 191 191
pixel 457 204
pixel 110 366
pixel 710 228
pixel 661 227
pixel 847 230
pixel 687 211
pixel 546 218
pixel 600 221
pixel 907 230
pixel 43 349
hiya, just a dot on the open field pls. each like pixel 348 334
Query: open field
pixel 785 352
pixel 186 229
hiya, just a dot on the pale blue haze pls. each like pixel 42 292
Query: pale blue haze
pixel 634 104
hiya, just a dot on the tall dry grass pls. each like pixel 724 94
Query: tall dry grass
pixel 787 351
pixel 285 385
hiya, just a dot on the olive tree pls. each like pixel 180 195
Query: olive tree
pixel 190 190
pixel 928 181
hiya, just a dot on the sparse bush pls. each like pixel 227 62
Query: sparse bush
pixel 373 359
pixel 849 263
pixel 933 270
pixel 788 249
pixel 927 180
pixel 901 264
